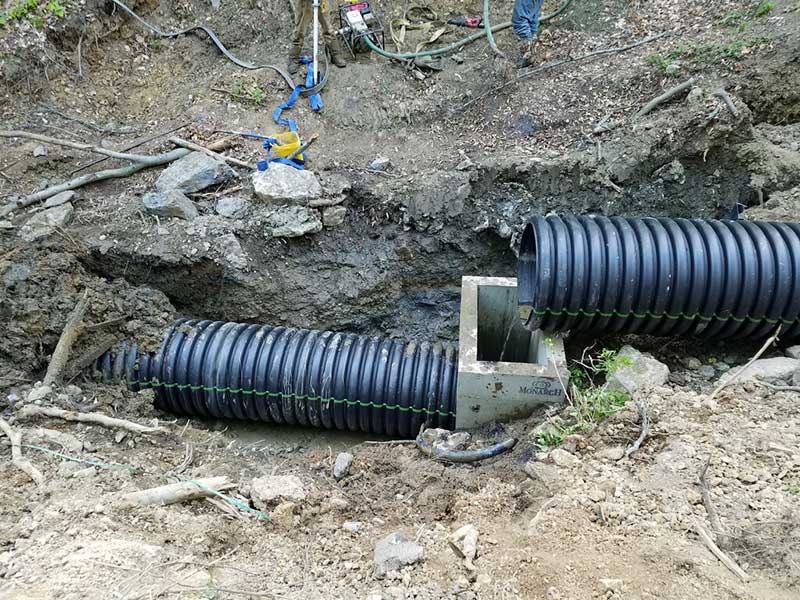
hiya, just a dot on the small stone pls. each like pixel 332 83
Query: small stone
pixel 333 216
pixel 722 367
pixel 85 473
pixel 282 184
pixel 39 151
pixel 336 505
pixel 693 363
pixel 273 489
pixel 465 165
pixel 6 225
pixel 293 221
pixel 283 515
pixel 119 436
pixel 464 541
pixel 746 477
pixel 352 526
pixel 793 352
pixel 637 371
pixel 60 199
pixel 44 223
pixel 597 495
pixel 694 497
pixel 74 392
pixel 707 372
pixel 230 207
pixel 612 453
pixel 673 172
pixel 194 172
pixel 504 230
pixel 172 203
pixel 375 596
pixel 394 552
pixel 229 247
pixel 39 393
pixel 341 467
pixel 539 471
pixel 381 163
pixel 611 585
pixel 564 459
pixel 553 594
pixel 673 69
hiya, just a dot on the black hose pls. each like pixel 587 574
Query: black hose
pixel 282 375
pixel 464 456
pixel 666 277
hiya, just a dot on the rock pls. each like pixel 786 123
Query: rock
pixel 707 372
pixel 337 504
pixel 333 216
pixel 16 273
pixel 283 515
pixel 693 497
pixel 341 467
pixel 394 552
pixel 39 151
pixel 74 392
pixel 282 184
pixel 60 199
pixel 464 542
pixel 228 245
pixel 352 526
pixel 274 489
pixel 441 195
pixel 611 585
pixel 553 594
pixel 6 225
pixel 796 378
pixel 381 163
pixel 547 474
pixel 231 207
pixel 562 458
pixel 194 172
pixel 44 223
pixel 793 352
pixel 171 203
pixel 673 69
pixel 671 172
pixel 39 393
pixel 766 369
pixel 293 221
pixel 85 473
pixel 643 372
pixel 597 495
pixel 693 363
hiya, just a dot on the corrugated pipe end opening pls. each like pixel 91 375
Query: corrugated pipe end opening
pixel 526 277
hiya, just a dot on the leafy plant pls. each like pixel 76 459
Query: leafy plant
pixel 252 92
pixel 764 9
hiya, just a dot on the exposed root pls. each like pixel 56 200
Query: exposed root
pixel 32 410
pixel 16 454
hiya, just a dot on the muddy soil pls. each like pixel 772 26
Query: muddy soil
pixel 469 165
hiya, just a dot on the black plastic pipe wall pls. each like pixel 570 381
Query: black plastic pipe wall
pixel 664 277
pixel 279 375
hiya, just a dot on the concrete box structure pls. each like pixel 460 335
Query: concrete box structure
pixel 504 370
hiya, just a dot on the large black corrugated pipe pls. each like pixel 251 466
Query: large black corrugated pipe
pixel 281 375
pixel 712 279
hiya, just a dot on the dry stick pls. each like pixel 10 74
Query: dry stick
pixel 32 410
pixel 133 145
pixel 303 148
pixel 72 329
pixel 665 97
pixel 177 492
pixel 713 517
pixel 715 550
pixel 725 97
pixel 137 158
pixel 16 454
pixel 738 373
pixel 645 429
pixel 559 63
pixel 779 388
pixel 197 147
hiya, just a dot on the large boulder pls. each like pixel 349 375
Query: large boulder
pixel 282 184
pixel 194 172
pixel 45 222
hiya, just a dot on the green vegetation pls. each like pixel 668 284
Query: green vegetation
pixel 35 12
pixel 591 401
pixel 764 9
pixel 697 56
pixel 250 92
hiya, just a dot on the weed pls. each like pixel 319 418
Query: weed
pixel 34 12
pixel 764 9
pixel 55 8
pixel 251 92
pixel 552 437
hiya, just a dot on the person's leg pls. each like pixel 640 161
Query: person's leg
pixel 522 20
pixel 537 12
pixel 303 16
pixel 331 40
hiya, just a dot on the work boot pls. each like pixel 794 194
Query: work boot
pixel 524 58
pixel 337 55
pixel 294 58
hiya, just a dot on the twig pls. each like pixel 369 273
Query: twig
pixel 32 410
pixel 666 96
pixel 72 330
pixel 83 180
pixel 645 414
pixel 136 144
pixel 715 550
pixel 738 373
pixel 137 158
pixel 726 98
pixel 16 454
pixel 559 63
pixel 177 492
pixel 97 128
pixel 233 592
pixel 197 147
pixel 80 67
pixel 303 148
pixel 713 517
pixel 779 388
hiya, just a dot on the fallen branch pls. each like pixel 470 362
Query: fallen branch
pixel 16 454
pixel 726 99
pixel 645 414
pixel 715 550
pixel 178 492
pixel 137 158
pixel 559 63
pixel 72 329
pixel 738 373
pixel 197 147
pixel 32 410
pixel 713 517
pixel 665 97
pixel 89 125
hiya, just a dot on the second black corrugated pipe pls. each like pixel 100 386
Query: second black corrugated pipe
pixel 659 276
pixel 283 375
